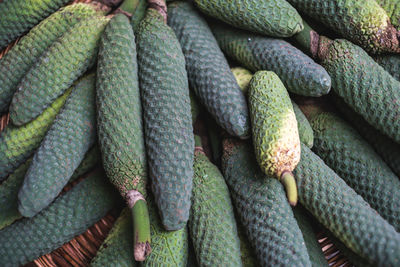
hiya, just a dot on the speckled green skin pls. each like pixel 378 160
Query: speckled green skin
pixel 208 71
pixel 139 13
pixel 243 77
pixel 314 249
pixel 119 111
pixel 62 149
pixel 18 16
pixel 269 17
pixel 56 70
pixel 392 8
pixel 168 248
pixel 68 216
pixel 300 74
pixel 345 213
pixel 305 131
pixel 351 157
pixel 364 85
pixel 167 118
pixel 363 22
pixel 16 63
pixel 117 248
pixel 212 222
pixel 91 159
pixel 18 143
pixel 391 63
pixel 383 145
pixel 246 252
pixel 275 135
pixel 263 209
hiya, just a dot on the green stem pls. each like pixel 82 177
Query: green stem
pixel 288 181
pixel 308 40
pixel 129 6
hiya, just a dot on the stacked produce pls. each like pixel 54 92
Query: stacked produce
pixel 209 120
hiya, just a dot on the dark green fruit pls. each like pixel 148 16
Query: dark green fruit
pixel 391 63
pixel 305 131
pixel 246 252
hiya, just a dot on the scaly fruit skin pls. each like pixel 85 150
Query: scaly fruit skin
pixel 351 157
pixel 300 74
pixel 18 16
pixel 212 222
pixel 116 250
pixel 169 248
pixel 363 22
pixel 392 8
pixel 91 159
pixel 314 249
pixel 243 77
pixel 345 213
pixel 18 143
pixel 275 135
pixel 167 118
pixel 246 252
pixel 61 151
pixel 119 111
pixel 56 70
pixel 391 63
pixel 363 84
pixel 68 216
pixel 17 62
pixel 263 209
pixel 208 71
pixel 269 17
pixel 305 131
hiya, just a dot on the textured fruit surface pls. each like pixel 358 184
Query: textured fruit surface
pixel 300 74
pixel 247 254
pixel 117 248
pixel 139 13
pixel 68 216
pixel 391 63
pixel 119 111
pixel 91 159
pixel 270 17
pixel 212 222
pixel 169 248
pixel 62 149
pixel 18 16
pixel 16 63
pixel 18 143
pixel 392 8
pixel 167 118
pixel 56 70
pixel 243 77
pixel 208 71
pixel 305 131
pixel 345 213
pixel 275 135
pixel 351 157
pixel 314 249
pixel 263 209
pixel 364 85
pixel 363 22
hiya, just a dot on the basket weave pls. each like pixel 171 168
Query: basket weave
pixel 79 251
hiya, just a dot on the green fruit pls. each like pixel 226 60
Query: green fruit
pixel 305 131
pixel 392 9
pixel 263 209
pixel 68 216
pixel 391 63
pixel 314 249
pixel 167 119
pixel 364 85
pixel 300 74
pixel 18 16
pixel 208 71
pixel 363 22
pixel 91 159
pixel 56 70
pixel 269 17
pixel 62 149
pixel 139 14
pixel 275 135
pixel 243 77
pixel 246 252
pixel 345 213
pixel 212 222
pixel 18 143
pixel 17 62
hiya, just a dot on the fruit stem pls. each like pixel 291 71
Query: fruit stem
pixel 288 181
pixel 308 39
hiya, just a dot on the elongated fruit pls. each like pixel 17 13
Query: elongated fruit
pixel 392 9
pixel 56 70
pixel 247 254
pixel 391 63
pixel 345 213
pixel 18 143
pixel 300 74
pixel 167 118
pixel 275 135
pixel 243 77
pixel 86 203
pixel 305 131
pixel 263 209
pixel 208 71
pixel 61 151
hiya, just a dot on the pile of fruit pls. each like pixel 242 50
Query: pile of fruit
pixel 302 127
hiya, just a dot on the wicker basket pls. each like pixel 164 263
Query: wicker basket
pixel 79 251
